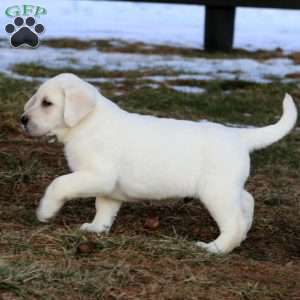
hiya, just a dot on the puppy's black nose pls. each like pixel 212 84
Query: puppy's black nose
pixel 24 120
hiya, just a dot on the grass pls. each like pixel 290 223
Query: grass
pixel 57 261
pixel 35 70
pixel 122 46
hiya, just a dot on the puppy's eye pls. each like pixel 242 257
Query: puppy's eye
pixel 46 103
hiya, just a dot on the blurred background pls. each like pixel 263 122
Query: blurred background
pixel 151 28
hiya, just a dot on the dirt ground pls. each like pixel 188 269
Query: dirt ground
pixel 137 260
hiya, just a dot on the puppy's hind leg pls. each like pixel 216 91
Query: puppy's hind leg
pixel 106 211
pixel 247 202
pixel 224 206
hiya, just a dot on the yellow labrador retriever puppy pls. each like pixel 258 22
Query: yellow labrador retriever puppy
pixel 118 156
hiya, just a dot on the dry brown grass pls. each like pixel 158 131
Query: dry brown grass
pixel 122 46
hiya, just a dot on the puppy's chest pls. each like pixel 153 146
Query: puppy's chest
pixel 80 157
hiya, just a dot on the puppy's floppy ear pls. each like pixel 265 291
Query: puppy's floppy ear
pixel 79 102
pixel 29 103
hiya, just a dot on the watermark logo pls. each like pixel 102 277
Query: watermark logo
pixel 24 30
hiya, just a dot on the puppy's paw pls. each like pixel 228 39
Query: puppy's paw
pixel 210 247
pixel 43 216
pixel 92 227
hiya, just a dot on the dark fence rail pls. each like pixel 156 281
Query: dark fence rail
pixel 287 4
pixel 220 17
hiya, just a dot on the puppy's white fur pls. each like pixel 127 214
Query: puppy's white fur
pixel 118 156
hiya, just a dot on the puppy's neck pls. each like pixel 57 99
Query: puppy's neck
pixel 105 108
pixel 62 134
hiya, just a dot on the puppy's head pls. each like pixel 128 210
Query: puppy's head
pixel 61 102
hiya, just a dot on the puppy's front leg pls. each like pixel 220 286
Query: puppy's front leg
pixel 107 210
pixel 74 185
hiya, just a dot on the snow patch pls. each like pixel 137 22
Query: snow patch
pixel 190 68
pixel 188 89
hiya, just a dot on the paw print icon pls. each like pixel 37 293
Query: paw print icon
pixel 24 32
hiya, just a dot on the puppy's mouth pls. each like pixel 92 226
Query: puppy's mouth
pixel 31 131
pixel 25 129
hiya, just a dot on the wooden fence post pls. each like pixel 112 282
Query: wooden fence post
pixel 219 28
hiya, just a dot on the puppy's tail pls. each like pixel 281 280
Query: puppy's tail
pixel 258 138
